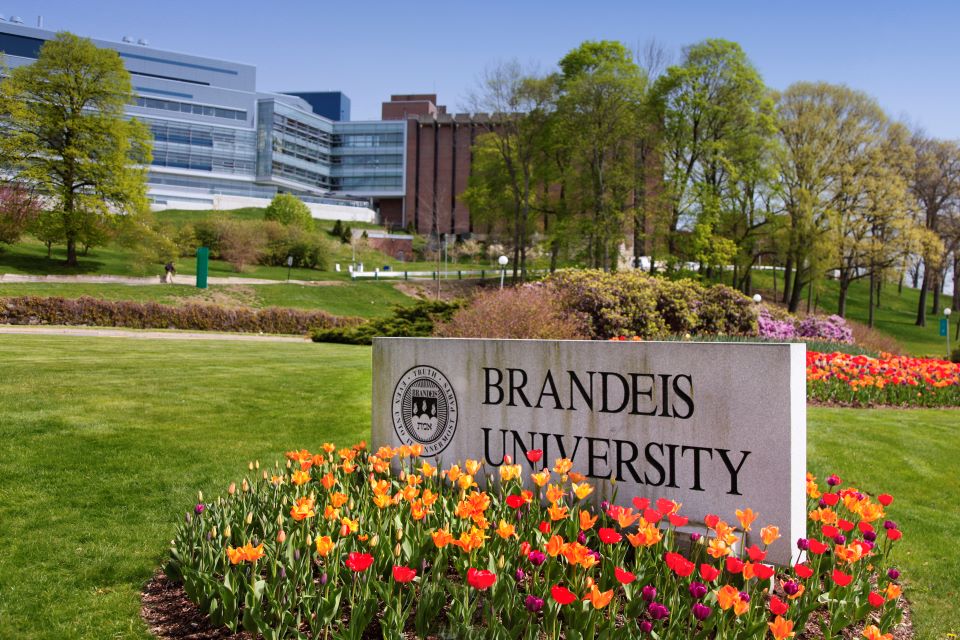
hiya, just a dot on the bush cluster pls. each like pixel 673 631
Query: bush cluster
pixel 247 242
pixel 777 325
pixel 529 311
pixel 87 311
pixel 414 321
pixel 635 304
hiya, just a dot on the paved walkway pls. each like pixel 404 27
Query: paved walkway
pixel 144 334
pixel 185 280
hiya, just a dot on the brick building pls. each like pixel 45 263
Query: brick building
pixel 438 156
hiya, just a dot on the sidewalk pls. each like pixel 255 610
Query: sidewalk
pixel 182 280
pixel 145 334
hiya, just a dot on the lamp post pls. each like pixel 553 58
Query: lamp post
pixel 289 266
pixel 503 260
pixel 946 313
pixel 757 298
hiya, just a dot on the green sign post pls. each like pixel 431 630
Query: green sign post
pixel 203 259
pixel 943 327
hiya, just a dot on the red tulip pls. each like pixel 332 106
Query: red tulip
pixel 623 577
pixel 734 565
pixel 515 502
pixel 894 534
pixel 562 595
pixel 756 553
pixel 403 574
pixel 609 536
pixel 763 571
pixel 842 579
pixel 641 503
pixel 709 572
pixel 875 599
pixel 777 606
pixel 480 578
pixel 534 455
pixel 678 521
pixel 803 570
pixel 817 547
pixel 358 561
pixel 831 498
pixel 885 499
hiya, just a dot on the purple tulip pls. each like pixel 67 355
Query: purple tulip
pixel 657 611
pixel 869 536
pixel 536 558
pixel 893 574
pixel 604 506
pixel 520 575
pixel 645 626
pixel 701 611
pixel 199 508
pixel 803 544
pixel 323 578
pixel 839 538
pixel 790 587
pixel 283 572
pixel 869 545
pixel 582 538
pixel 698 590
pixel 648 593
pixel 694 537
pixel 822 503
pixel 889 524
pixel 833 480
pixel 744 596
pixel 533 603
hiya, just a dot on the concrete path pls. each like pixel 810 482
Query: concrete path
pixel 183 280
pixel 143 334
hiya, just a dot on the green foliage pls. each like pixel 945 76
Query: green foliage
pixel 635 304
pixel 417 320
pixel 66 133
pixel 287 209
pixel 47 227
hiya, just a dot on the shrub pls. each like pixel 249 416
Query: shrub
pixel 86 311
pixel 241 243
pixel 351 544
pixel 413 321
pixel 19 208
pixel 771 328
pixel 831 328
pixel 635 304
pixel 289 210
pixel 530 311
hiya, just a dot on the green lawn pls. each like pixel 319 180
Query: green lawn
pixel 362 298
pixel 103 443
pixel 895 316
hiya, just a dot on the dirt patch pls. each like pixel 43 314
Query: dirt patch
pixel 171 616
pixel 449 289
pixel 230 296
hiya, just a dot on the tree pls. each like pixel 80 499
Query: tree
pixel 718 128
pixel 65 133
pixel 520 103
pixel 601 97
pixel 935 185
pixel 288 209
pixel 19 208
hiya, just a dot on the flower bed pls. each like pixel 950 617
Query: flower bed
pixel 887 380
pixel 338 543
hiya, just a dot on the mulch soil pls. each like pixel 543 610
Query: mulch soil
pixel 171 616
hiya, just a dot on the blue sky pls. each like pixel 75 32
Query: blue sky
pixel 902 53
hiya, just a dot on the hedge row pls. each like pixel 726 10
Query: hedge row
pixel 87 311
pixel 634 304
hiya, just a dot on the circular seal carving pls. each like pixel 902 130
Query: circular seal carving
pixel 424 408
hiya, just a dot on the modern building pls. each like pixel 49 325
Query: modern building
pixel 219 143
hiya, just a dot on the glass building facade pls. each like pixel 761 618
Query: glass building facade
pixel 213 133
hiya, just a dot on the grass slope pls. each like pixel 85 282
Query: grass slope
pixel 103 444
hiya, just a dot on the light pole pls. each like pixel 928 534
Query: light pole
pixel 946 313
pixel 757 298
pixel 503 260
pixel 289 266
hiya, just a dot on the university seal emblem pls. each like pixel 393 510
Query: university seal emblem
pixel 424 408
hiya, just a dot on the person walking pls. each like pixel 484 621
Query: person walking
pixel 170 272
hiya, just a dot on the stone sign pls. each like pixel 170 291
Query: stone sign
pixel 715 426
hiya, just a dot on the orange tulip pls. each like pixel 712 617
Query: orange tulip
pixel 781 629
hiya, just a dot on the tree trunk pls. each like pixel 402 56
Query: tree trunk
pixel 774 281
pixel 844 288
pixel 787 273
pixel 870 314
pixel 71 252
pixel 796 294
pixel 935 304
pixel 922 306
